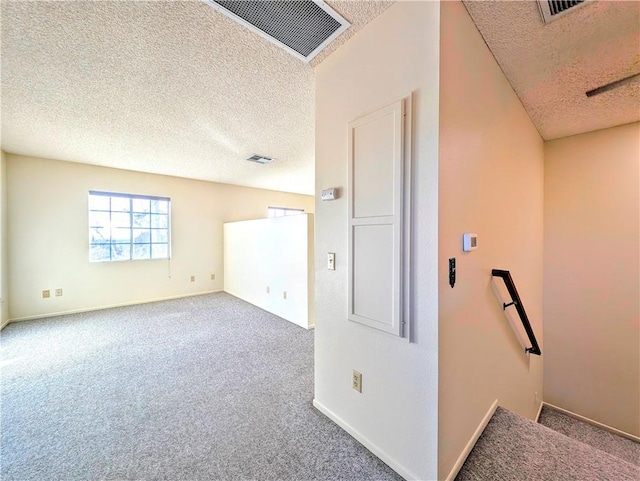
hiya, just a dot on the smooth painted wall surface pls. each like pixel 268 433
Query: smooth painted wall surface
pixel 395 416
pixel 4 260
pixel 269 263
pixel 592 275
pixel 48 235
pixel 491 184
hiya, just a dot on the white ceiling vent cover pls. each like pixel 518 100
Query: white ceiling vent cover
pixel 553 9
pixel 302 27
pixel 260 159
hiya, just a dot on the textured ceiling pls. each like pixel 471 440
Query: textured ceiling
pixel 177 88
pixel 552 66
pixel 172 88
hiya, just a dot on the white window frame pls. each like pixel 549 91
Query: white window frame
pixel 273 211
pixel 97 228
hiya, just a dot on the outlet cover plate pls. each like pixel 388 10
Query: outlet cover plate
pixel 357 381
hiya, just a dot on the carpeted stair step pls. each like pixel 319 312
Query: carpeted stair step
pixel 515 448
pixel 611 443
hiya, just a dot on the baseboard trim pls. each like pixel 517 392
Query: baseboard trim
pixel 472 442
pixel 266 309
pixel 623 434
pixel 110 306
pixel 392 463
pixel 539 411
pixel 5 324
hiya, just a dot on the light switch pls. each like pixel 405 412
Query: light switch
pixel 331 261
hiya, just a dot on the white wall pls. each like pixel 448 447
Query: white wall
pixel 4 260
pixel 48 235
pixel 396 414
pixel 275 254
pixel 491 183
pixel 592 275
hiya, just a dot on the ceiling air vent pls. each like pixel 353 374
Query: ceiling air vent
pixel 260 159
pixel 613 85
pixel 302 28
pixel 552 9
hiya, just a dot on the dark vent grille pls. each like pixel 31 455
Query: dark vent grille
pixel 300 25
pixel 559 6
pixel 260 159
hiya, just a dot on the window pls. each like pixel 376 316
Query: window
pixel 281 211
pixel 125 227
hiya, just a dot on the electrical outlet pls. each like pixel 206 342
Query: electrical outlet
pixel 213 277
pixel 284 295
pixel 356 382
pixel 268 290
pixel 58 292
pixel 193 278
pixel 46 294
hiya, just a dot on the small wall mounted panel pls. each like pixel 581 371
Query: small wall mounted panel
pixel 379 170
pixel 373 273
pixel 373 168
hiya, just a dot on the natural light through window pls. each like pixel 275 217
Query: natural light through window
pixel 282 211
pixel 126 227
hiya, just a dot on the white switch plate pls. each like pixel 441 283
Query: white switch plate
pixel 331 261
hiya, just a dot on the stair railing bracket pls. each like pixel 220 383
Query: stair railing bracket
pixel 515 301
